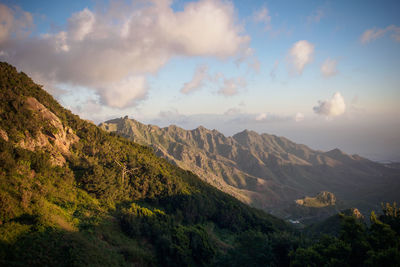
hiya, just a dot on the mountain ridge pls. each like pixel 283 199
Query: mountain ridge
pixel 261 169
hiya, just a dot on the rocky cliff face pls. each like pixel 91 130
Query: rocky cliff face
pixel 54 138
pixel 267 171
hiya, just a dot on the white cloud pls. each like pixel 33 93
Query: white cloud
pixel 332 107
pixel 262 16
pixel 197 81
pixel 261 117
pixel 111 52
pixel 300 55
pixel 328 68
pixel 299 117
pixel 123 93
pixel 375 33
pixel 231 86
pixel 81 24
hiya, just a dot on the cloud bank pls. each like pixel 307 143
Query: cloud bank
pixel 332 107
pixel 112 52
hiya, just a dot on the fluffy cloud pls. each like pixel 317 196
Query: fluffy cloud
pixel 332 107
pixel 300 55
pixel 81 24
pixel 197 81
pixel 231 86
pixel 328 68
pixel 124 92
pixel 111 52
pixel 375 33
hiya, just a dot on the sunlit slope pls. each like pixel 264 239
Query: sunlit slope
pixel 72 194
pixel 264 170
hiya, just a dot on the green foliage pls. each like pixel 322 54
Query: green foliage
pixel 356 245
pixel 175 244
pixel 113 203
pixel 391 216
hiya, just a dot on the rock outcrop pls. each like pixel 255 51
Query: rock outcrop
pixel 53 137
pixel 323 199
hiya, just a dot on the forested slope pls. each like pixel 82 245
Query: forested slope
pixel 72 194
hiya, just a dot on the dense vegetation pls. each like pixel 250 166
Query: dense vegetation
pixel 356 244
pixel 114 203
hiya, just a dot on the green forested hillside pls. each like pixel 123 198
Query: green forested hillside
pixel 72 194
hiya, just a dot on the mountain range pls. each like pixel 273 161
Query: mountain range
pixel 266 171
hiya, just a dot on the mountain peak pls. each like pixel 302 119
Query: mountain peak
pixel 201 128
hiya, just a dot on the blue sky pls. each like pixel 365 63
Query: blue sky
pixel 323 73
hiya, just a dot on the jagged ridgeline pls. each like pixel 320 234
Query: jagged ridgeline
pixel 268 171
pixel 72 194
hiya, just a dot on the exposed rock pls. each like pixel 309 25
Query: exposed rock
pixel 57 141
pixel 3 134
pixel 323 199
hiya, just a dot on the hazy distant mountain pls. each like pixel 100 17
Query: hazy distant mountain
pixel 267 171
